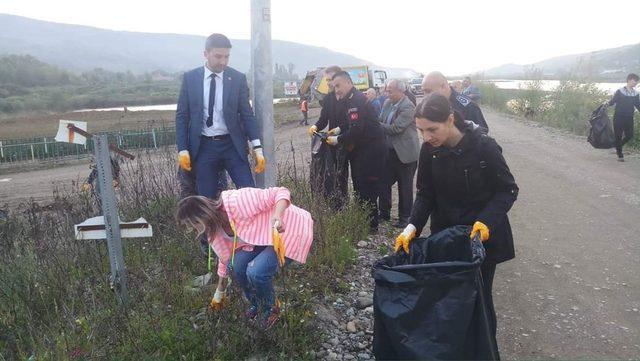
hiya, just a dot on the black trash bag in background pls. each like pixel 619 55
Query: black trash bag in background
pixel 601 134
pixel 429 305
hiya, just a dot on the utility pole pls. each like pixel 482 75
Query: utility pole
pixel 262 78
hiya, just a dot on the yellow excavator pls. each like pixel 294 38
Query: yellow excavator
pixel 314 85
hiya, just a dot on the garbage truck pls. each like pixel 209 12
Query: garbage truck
pixel 314 85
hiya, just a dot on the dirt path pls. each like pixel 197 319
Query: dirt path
pixel 573 291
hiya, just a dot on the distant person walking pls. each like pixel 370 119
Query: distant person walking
pixel 625 99
pixel 304 108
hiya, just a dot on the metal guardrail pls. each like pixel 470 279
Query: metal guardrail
pixel 46 148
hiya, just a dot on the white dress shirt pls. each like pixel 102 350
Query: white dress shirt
pixel 219 127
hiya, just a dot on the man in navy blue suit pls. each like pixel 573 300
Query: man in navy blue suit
pixel 214 121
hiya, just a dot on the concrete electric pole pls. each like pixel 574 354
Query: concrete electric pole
pixel 262 78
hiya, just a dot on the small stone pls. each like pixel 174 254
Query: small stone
pixel 364 302
pixel 369 310
pixel 364 356
pixel 557 266
pixel 351 327
pixel 362 294
pixel 362 244
pixel 348 357
pixel 332 356
pixel 326 346
pixel 334 341
pixel 361 345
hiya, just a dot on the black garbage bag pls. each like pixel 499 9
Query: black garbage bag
pixel 601 134
pixel 323 171
pixel 428 305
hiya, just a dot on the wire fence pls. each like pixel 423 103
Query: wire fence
pixel 46 148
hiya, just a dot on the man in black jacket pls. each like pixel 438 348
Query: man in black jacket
pixel 625 99
pixel 331 117
pixel 437 82
pixel 365 142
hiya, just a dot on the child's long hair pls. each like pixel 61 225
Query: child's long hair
pixel 203 214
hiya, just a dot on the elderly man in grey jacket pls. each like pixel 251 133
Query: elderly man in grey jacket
pixel 397 118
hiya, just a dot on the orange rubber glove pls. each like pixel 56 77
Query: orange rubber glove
pixel 217 302
pixel 278 245
pixel 405 238
pixel 184 160
pixel 481 228
pixel 312 130
pixel 260 162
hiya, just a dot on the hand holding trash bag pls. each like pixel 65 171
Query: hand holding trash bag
pixel 332 140
pixel 405 238
pixel 312 130
pixel 482 229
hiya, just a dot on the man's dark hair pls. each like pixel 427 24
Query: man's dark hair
pixel 217 41
pixel 332 69
pixel 342 74
pixel 467 78
pixel 633 76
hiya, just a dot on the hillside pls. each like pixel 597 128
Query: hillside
pixel 81 48
pixel 605 64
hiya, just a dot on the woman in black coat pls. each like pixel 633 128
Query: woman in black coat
pixel 463 179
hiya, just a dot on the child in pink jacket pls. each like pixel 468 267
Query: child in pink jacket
pixel 239 227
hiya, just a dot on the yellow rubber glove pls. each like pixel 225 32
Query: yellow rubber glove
pixel 332 140
pixel 217 302
pixel 184 160
pixel 278 245
pixel 481 228
pixel 404 239
pixel 86 187
pixel 312 130
pixel 334 131
pixel 260 162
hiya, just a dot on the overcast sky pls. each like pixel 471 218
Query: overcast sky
pixel 451 36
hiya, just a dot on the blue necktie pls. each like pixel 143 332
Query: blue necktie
pixel 212 99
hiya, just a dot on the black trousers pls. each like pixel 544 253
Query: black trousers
pixel 366 184
pixel 623 129
pixel 488 270
pixel 367 190
pixel 403 174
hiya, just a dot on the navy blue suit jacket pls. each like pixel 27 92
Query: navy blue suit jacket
pixel 238 114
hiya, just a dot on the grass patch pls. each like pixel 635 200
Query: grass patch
pixel 55 302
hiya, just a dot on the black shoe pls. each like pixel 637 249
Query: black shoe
pixel 620 159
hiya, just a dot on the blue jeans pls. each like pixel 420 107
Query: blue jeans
pixel 214 155
pixel 254 271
